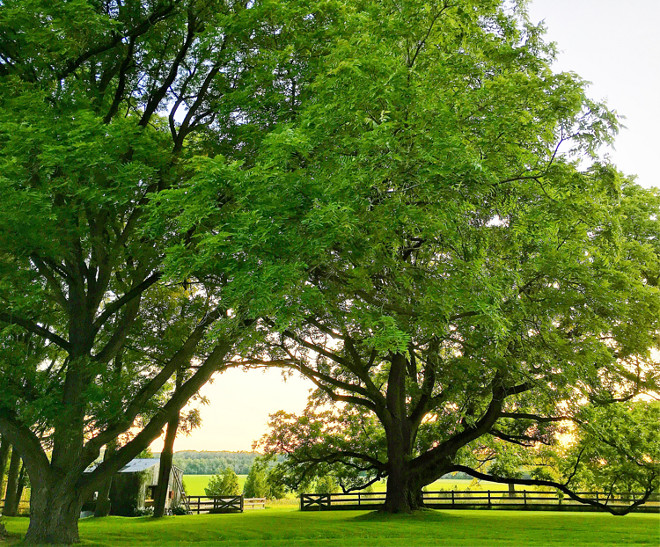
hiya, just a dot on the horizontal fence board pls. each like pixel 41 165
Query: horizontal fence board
pixel 215 504
pixel 472 499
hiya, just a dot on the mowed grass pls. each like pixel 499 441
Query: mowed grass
pixel 287 527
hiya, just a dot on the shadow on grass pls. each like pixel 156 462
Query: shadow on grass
pixel 425 515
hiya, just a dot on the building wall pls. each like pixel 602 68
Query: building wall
pixel 127 494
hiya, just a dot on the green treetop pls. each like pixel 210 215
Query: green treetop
pixel 475 271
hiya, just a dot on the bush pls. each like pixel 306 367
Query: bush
pixel 224 484
pixel 179 510
pixel 326 485
pixel 256 485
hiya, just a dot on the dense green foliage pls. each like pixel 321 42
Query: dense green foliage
pixel 399 199
pixel 275 527
pixel 104 107
pixel 256 485
pixel 263 482
pixel 223 484
pixel 478 278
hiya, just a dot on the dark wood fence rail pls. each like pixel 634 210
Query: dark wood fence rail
pixel 215 504
pixel 486 499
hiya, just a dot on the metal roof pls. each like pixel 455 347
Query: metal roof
pixel 139 465
pixel 134 466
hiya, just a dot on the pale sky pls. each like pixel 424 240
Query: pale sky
pixel 613 44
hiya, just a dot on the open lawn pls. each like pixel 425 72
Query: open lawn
pixel 286 527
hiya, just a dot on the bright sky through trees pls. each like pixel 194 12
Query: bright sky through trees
pixel 614 46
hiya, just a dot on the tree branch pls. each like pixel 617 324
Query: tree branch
pixel 558 486
pixel 32 327
pixel 116 305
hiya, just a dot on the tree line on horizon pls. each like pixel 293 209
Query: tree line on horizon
pixel 192 462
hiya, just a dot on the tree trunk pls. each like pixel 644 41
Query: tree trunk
pixel 165 467
pixel 403 494
pixel 4 456
pixel 13 510
pixel 12 485
pixel 404 490
pixel 54 512
pixel 103 503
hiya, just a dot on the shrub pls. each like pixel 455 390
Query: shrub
pixel 256 485
pixel 325 485
pixel 224 484
pixel 179 510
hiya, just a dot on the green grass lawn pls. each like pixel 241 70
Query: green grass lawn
pixel 287 527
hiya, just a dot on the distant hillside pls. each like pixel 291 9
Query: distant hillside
pixel 193 462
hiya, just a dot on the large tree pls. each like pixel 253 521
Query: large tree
pixel 475 272
pixel 102 106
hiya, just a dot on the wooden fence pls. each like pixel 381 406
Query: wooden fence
pixel 222 504
pixel 488 499
pixel 215 504
pixel 254 503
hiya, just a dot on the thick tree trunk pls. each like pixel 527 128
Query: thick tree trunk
pixel 54 513
pixel 103 503
pixel 403 493
pixel 404 489
pixel 12 485
pixel 4 457
pixel 165 467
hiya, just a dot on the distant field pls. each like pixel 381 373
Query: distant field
pixel 195 484
pixel 287 527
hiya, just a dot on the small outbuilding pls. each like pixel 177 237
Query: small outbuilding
pixel 134 486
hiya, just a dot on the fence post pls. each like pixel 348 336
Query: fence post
pixel 489 502
pixel 525 497
pixel 452 498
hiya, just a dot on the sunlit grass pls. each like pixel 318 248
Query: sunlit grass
pixel 286 526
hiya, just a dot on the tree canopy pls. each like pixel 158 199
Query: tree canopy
pixel 401 200
pixel 476 272
pixel 104 106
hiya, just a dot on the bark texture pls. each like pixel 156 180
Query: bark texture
pixel 11 503
pixel 54 512
pixel 165 467
pixel 4 457
pixel 103 503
